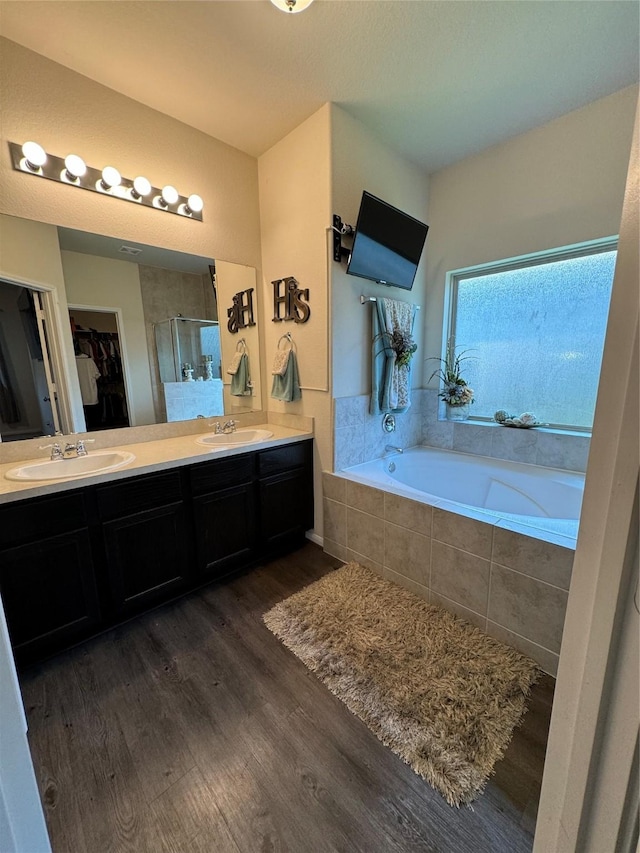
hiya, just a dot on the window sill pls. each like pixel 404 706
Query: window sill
pixel 548 430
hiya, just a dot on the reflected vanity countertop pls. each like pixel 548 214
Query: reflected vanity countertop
pixel 150 456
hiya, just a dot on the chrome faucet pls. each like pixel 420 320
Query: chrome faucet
pixel 229 426
pixel 390 448
pixel 216 428
pixel 77 449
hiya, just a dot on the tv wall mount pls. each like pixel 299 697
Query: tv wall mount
pixel 341 229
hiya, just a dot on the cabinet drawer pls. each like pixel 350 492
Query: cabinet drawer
pixel 142 493
pixel 39 518
pixel 222 473
pixel 283 458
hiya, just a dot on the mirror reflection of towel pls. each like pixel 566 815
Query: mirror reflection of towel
pixel 286 387
pixel 240 381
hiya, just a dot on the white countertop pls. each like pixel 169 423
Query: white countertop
pixel 150 456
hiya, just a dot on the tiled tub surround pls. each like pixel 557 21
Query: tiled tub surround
pixel 511 585
pixel 359 436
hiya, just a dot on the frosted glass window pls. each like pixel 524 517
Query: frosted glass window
pixel 536 334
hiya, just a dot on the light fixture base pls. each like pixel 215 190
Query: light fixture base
pixel 292 6
pixel 55 170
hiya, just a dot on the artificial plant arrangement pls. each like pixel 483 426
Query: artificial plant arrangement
pixel 404 347
pixel 455 390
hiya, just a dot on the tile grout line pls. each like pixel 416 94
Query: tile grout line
pixel 531 577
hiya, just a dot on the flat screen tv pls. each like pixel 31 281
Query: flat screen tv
pixel 387 245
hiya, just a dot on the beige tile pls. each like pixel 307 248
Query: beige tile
pixel 462 532
pixel 542 560
pixel 334 487
pixel 546 660
pixel 407 553
pixel 365 534
pixel 453 607
pixel 335 521
pixel 336 550
pixel 416 588
pixel 367 562
pixel 528 607
pixel 407 513
pixel 365 498
pixel 462 577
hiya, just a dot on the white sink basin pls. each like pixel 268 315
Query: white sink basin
pixel 240 436
pixel 78 466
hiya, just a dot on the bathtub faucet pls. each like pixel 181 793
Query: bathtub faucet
pixel 390 448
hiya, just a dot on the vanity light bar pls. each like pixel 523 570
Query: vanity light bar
pixel 32 159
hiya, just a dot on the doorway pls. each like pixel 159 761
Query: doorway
pixel 97 343
pixel 28 394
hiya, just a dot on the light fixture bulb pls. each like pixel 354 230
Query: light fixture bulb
pixel 169 195
pixel 194 204
pixel 292 5
pixel 34 155
pixel 75 166
pixel 141 187
pixel 111 177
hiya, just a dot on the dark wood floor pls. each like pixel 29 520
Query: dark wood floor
pixel 193 729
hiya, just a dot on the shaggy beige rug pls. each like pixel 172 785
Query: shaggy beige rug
pixel 437 691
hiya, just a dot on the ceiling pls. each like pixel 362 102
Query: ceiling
pixel 438 80
pixel 120 250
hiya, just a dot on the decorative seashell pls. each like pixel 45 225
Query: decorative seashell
pixel 515 421
pixel 500 416
pixel 528 419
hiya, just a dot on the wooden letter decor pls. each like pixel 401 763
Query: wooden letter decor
pixel 241 312
pixel 294 300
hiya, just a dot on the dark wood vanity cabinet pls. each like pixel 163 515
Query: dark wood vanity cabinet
pixel 147 546
pixel 47 576
pixel 285 494
pixel 78 562
pixel 224 510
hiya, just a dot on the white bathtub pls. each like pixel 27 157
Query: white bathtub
pixel 548 499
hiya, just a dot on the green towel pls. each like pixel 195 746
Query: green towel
pixel 240 381
pixel 287 386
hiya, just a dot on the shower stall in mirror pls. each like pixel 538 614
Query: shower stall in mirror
pixel 189 367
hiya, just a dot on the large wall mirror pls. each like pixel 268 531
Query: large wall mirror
pixel 153 339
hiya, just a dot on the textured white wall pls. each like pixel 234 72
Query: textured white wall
pixel 360 162
pixel 559 184
pixel 116 284
pixel 66 112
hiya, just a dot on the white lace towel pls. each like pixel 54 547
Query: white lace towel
pixel 399 315
pixel 234 364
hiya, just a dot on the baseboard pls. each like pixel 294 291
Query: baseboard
pixel 315 538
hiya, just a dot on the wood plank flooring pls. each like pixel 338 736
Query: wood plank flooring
pixel 193 730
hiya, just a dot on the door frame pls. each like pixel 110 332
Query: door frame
pixel 69 416
pixel 122 343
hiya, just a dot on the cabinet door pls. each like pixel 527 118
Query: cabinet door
pixel 147 557
pixel 225 529
pixel 49 593
pixel 286 507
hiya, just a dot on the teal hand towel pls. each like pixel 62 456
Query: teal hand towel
pixel 287 386
pixel 240 386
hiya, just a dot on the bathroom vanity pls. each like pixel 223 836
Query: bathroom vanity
pixel 82 558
